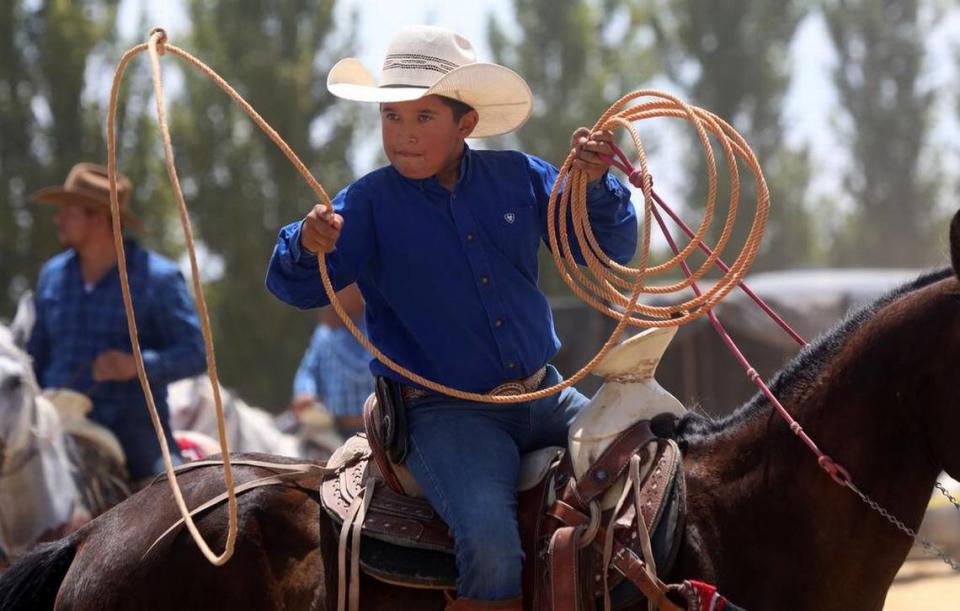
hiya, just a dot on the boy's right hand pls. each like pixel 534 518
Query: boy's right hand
pixel 320 229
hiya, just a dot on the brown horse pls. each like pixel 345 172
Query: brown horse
pixel 764 523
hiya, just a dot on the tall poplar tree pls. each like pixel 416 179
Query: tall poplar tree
pixel 880 48
pixel 51 117
pixel 732 58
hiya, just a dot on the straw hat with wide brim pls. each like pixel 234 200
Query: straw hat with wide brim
pixel 427 60
pixel 88 185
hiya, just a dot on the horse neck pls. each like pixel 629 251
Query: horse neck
pixel 756 490
pixel 37 492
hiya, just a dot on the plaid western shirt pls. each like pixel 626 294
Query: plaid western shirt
pixel 336 370
pixel 76 323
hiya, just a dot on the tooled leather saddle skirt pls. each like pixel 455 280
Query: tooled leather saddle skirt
pixel 404 541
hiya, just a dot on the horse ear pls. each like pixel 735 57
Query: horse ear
pixel 23 321
pixel 955 243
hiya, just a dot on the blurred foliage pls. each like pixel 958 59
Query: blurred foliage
pixel 242 189
pixel 55 56
pixel 731 58
pixel 894 180
pixel 45 123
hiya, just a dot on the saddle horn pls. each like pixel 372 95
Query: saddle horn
pixel 629 394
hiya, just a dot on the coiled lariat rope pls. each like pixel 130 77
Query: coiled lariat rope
pixel 603 287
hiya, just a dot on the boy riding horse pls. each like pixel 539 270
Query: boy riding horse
pixel 443 244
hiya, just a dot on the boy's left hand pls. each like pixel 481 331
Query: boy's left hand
pixel 587 149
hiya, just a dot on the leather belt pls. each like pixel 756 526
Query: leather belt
pixel 513 387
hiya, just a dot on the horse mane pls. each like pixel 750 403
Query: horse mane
pixel 804 369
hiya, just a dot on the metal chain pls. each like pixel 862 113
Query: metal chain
pixel 943 490
pixel 927 545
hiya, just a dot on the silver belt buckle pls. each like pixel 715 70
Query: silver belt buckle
pixel 508 389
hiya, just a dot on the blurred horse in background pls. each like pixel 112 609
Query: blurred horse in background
pixel 193 419
pixel 54 475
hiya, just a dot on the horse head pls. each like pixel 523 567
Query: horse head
pixel 943 424
pixel 930 343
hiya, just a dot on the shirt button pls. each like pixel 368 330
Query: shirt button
pixel 498 323
pixel 469 237
pixel 484 279
pixel 511 365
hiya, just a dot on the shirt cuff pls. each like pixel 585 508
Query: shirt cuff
pixel 297 252
pixel 604 184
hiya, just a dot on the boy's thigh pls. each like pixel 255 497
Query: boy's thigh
pixel 465 457
pixel 550 417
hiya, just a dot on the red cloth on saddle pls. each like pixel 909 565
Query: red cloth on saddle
pixel 710 599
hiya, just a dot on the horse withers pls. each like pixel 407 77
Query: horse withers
pixel 764 522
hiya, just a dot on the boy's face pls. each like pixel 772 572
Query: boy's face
pixel 421 138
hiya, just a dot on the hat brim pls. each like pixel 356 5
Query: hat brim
pixel 57 196
pixel 499 95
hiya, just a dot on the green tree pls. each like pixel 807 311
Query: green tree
pixel 732 59
pixel 51 116
pixel 239 187
pixel 44 123
pixel 880 47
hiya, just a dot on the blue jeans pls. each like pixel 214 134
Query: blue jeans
pixel 138 438
pixel 466 457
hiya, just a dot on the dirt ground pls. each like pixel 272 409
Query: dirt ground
pixel 924 584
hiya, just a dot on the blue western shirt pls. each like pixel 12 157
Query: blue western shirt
pixel 75 324
pixel 449 277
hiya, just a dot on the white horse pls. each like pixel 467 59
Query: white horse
pixel 38 496
pixel 193 419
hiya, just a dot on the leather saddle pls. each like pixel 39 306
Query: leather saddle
pixel 403 541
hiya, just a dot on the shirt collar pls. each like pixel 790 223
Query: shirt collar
pixel 130 247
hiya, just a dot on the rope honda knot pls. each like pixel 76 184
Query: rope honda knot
pixel 161 39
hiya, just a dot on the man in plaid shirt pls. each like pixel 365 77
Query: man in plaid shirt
pixel 80 340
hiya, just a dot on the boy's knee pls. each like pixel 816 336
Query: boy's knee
pixel 490 559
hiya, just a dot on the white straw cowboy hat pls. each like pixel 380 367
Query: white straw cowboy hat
pixel 427 60
pixel 88 185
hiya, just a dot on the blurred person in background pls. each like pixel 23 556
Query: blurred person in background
pixel 335 369
pixel 80 340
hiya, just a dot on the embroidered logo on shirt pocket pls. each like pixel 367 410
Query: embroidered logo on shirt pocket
pixel 510 217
